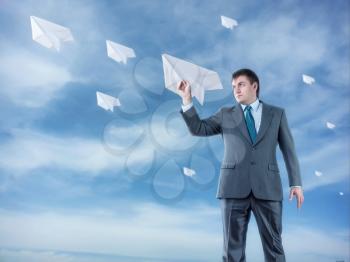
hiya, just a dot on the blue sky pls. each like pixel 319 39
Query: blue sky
pixel 78 183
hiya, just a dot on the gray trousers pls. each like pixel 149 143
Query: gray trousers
pixel 235 218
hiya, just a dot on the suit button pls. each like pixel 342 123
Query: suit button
pixel 252 163
pixel 254 148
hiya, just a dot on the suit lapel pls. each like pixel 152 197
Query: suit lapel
pixel 266 118
pixel 238 118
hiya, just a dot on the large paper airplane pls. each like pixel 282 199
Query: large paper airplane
pixel 228 22
pixel 49 34
pixel 107 102
pixel 118 52
pixel 200 78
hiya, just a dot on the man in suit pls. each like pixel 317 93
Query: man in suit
pixel 249 177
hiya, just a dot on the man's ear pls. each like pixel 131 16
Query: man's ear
pixel 255 85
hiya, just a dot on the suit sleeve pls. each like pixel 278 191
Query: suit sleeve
pixel 286 144
pixel 202 127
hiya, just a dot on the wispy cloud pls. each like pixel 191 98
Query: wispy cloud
pixel 158 231
pixel 28 255
pixel 332 159
pixel 29 80
pixel 168 232
pixel 25 255
pixel 29 150
pixel 320 245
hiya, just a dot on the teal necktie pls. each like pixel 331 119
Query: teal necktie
pixel 250 123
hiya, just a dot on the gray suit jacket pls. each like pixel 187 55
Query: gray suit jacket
pixel 246 166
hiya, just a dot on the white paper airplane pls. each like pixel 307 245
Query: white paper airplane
pixel 341 193
pixel 318 173
pixel 200 78
pixel 228 22
pixel 49 34
pixel 107 102
pixel 189 172
pixel 308 79
pixel 330 125
pixel 118 52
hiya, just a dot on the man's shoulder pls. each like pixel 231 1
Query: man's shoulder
pixel 273 107
pixel 227 109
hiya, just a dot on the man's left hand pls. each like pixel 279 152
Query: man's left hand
pixel 298 193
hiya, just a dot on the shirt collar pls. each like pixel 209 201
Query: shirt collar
pixel 254 105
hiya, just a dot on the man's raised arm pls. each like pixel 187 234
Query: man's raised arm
pixel 198 127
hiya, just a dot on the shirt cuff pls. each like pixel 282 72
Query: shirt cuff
pixel 295 186
pixel 186 107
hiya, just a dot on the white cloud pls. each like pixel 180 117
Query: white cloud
pixel 188 232
pixel 29 80
pixel 33 256
pixel 332 158
pixel 29 150
pixel 155 230
pixel 281 40
pixel 307 244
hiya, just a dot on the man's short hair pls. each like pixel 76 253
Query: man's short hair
pixel 250 74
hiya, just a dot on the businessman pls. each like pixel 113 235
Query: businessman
pixel 249 177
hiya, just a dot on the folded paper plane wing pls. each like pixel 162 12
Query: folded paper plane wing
pixel 200 78
pixel 107 102
pixel 49 34
pixel 118 52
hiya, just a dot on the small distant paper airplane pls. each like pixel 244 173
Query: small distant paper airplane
pixel 189 172
pixel 308 79
pixel 118 52
pixel 341 193
pixel 49 34
pixel 228 22
pixel 330 125
pixel 318 173
pixel 200 78
pixel 107 102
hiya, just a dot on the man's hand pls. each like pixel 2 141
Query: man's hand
pixel 184 90
pixel 298 193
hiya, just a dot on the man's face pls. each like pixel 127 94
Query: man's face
pixel 243 90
